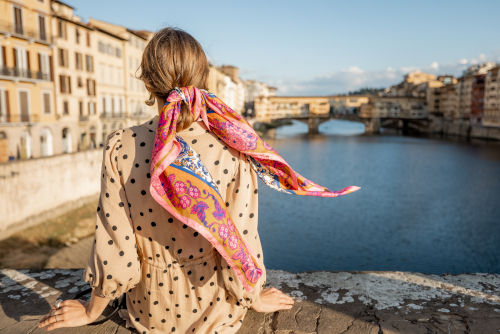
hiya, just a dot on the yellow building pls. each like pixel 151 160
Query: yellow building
pixel 26 80
pixel 75 81
pixel 346 104
pixel 273 107
pixel 433 95
pixel 413 84
pixel 448 101
pixel 491 115
pixel 394 107
pixel 110 67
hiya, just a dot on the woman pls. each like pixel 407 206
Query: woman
pixel 177 215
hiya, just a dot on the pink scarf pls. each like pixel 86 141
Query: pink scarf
pixel 184 187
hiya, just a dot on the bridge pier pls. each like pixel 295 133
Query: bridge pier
pixel 313 124
pixel 372 125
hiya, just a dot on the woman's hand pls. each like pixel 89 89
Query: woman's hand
pixel 71 313
pixel 272 300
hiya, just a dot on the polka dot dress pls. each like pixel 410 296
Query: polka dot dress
pixel 174 279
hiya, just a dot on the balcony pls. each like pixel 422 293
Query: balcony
pixel 22 118
pixel 22 73
pixel 30 35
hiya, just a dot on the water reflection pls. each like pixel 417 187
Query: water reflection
pixel 426 205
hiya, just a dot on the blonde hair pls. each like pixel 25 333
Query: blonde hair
pixel 173 58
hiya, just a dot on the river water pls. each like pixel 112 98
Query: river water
pixel 425 205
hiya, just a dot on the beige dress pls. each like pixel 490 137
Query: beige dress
pixel 174 279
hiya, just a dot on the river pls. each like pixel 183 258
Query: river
pixel 425 205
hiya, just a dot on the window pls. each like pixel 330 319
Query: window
pixel 89 62
pixel 61 29
pixel 103 104
pixel 91 108
pixel 46 102
pixel 21 59
pixel 77 36
pixel 44 65
pixel 42 34
pixel 88 39
pixel 18 20
pixel 78 61
pixel 4 105
pixel 24 105
pixel 65 107
pixel 90 87
pixel 65 84
pixel 79 82
pixel 80 108
pixel 63 57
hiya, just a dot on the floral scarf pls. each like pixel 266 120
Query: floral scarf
pixel 184 187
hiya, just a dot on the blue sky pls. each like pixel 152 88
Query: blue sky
pixel 323 47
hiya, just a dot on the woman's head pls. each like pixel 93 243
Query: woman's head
pixel 173 58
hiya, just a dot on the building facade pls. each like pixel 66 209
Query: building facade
pixel 26 80
pixel 491 115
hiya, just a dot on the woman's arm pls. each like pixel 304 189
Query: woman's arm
pixel 96 305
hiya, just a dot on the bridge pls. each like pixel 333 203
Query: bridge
pixel 405 123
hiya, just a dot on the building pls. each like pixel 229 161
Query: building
pixel 346 104
pixel 413 84
pixel 491 114
pixel 225 83
pixel 26 80
pixel 110 67
pixel 434 93
pixel 394 107
pixel 254 89
pixel 75 80
pixel 273 107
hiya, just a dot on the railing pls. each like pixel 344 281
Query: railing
pixel 19 118
pixel 19 31
pixel 24 73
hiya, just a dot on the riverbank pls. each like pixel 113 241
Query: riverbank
pixel 325 302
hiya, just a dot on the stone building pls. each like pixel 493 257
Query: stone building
pixel 273 107
pixel 75 81
pixel 26 80
pixel 225 83
pixel 253 89
pixel 394 107
pixel 433 95
pixel 110 75
pixel 491 115
pixel 346 104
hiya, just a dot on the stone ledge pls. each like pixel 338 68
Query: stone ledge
pixel 326 302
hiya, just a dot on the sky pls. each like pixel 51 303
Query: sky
pixel 322 47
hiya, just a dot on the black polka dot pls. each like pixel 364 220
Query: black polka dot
pixel 195 310
pixel 245 231
pixel 132 180
pixel 194 141
pixel 143 192
pixel 153 224
pixel 211 145
pixel 202 278
pixel 112 180
pixel 122 253
pixel 121 204
pixel 251 215
pixel 114 228
pixel 142 144
pixel 216 162
pixel 125 156
pixel 139 228
pixel 226 171
pixel 107 194
pixel 170 220
pixel 105 262
pixel 109 277
pixel 110 242
pixel 129 264
pixel 179 251
pixel 136 165
pixel 195 234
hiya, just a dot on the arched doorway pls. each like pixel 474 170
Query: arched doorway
pixel 46 146
pixel 25 146
pixel 4 147
pixel 67 146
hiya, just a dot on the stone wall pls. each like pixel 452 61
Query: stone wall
pixel 29 189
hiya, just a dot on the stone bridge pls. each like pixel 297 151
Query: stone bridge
pixel 372 124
